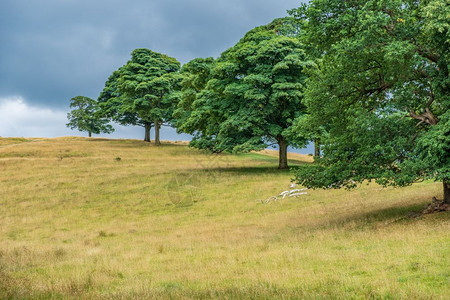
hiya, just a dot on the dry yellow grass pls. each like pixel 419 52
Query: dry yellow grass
pixel 97 218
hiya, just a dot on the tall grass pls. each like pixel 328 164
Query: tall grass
pixel 96 218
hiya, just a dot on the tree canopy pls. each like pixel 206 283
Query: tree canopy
pixel 85 116
pixel 142 91
pixel 249 98
pixel 381 88
pixel 116 107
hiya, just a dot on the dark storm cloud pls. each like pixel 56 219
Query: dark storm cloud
pixel 52 50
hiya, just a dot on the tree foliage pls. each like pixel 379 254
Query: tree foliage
pixel 191 116
pixel 142 92
pixel 118 108
pixel 85 116
pixel 249 98
pixel 381 88
pixel 115 106
pixel 195 76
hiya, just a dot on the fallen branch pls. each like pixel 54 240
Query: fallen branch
pixel 290 193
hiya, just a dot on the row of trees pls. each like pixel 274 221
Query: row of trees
pixel 367 80
pixel 144 92
pixel 245 100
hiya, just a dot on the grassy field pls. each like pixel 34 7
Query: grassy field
pixel 120 219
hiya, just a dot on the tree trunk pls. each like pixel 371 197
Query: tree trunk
pixel 282 154
pixel 316 147
pixel 90 134
pixel 446 192
pixel 148 126
pixel 157 127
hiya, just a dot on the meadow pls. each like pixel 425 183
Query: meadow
pixel 123 219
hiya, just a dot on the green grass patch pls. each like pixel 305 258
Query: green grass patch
pixel 12 141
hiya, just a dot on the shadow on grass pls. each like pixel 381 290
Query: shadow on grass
pixel 367 220
pixel 262 169
pixel 247 170
pixel 263 165
pixel 297 163
pixel 386 216
pixel 272 159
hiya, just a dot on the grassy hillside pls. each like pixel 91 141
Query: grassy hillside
pixel 95 218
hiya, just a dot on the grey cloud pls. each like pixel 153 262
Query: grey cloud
pixel 53 50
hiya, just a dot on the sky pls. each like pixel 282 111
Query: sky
pixel 53 50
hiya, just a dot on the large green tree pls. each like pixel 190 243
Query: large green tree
pixel 253 94
pixel 381 89
pixel 144 90
pixel 115 106
pixel 85 116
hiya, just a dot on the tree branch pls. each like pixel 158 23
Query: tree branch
pixel 427 117
pixel 434 57
pixel 422 73
pixel 431 97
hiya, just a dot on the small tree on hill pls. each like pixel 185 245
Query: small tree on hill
pixel 85 116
